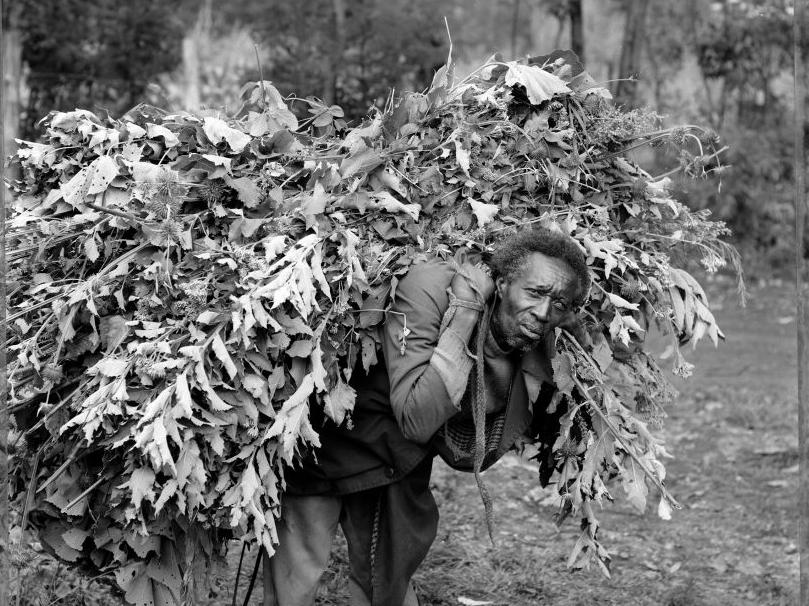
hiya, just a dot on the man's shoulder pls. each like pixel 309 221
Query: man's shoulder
pixel 429 275
pixel 425 286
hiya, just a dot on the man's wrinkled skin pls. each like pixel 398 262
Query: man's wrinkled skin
pixel 534 302
pixel 530 304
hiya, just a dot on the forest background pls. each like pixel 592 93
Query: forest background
pixel 720 64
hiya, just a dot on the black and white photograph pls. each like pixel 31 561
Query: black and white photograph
pixel 404 303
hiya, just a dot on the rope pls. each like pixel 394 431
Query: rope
pixel 375 542
pixel 253 576
pixel 238 574
pixel 479 418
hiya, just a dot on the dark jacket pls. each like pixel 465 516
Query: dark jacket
pixel 403 411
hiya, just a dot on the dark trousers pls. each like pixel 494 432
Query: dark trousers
pixel 389 530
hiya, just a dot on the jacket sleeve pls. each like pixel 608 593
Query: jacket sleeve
pixel 428 364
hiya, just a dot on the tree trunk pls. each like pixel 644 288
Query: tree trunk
pixel 515 21
pixel 336 57
pixel 577 28
pixel 629 65
pixel 12 77
pixel 192 43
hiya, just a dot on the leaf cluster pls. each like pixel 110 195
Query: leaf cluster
pixel 185 288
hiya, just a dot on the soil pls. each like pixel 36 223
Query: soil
pixel 732 432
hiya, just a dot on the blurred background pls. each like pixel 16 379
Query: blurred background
pixel 720 64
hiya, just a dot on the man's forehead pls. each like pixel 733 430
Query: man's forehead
pixel 544 270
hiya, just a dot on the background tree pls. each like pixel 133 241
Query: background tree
pixel 93 53
pixel 629 64
pixel 348 52
pixel 744 53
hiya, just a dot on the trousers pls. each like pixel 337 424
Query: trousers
pixel 388 529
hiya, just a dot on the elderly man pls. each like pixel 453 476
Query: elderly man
pixel 373 478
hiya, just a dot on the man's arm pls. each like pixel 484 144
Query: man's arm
pixel 428 381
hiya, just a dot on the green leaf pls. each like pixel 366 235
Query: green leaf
pixel 101 172
pixel 142 545
pixel 53 537
pixel 363 162
pixel 90 249
pixel 168 491
pixel 462 155
pixel 339 401
pixel 248 191
pixel 539 85
pixel 301 348
pixel 620 302
pixel 141 485
pixel 634 484
pixel 387 202
pixel 109 367
pixel 314 204
pixel 221 352
pixel 73 191
pixel 75 537
pixel 218 130
pixel 112 330
pixel 563 372
pixel 483 212
pixel 154 131
pixel 292 421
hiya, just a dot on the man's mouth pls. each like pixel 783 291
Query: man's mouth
pixel 532 332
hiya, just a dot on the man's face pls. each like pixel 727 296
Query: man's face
pixel 534 301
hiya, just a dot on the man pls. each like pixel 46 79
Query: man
pixel 373 479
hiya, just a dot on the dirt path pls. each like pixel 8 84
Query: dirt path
pixel 733 434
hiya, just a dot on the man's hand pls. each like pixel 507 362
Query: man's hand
pixel 472 283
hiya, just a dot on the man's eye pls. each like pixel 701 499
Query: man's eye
pixel 560 305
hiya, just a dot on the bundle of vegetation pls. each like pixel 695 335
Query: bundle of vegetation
pixel 185 288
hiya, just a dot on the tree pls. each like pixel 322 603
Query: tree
pixel 570 13
pixel 629 64
pixel 12 75
pixel 94 53
pixel 348 52
pixel 743 50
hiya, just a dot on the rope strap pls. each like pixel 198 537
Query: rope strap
pixel 479 419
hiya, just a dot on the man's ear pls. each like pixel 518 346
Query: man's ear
pixel 500 285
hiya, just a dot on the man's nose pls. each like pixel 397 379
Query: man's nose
pixel 541 310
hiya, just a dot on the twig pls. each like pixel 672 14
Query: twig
pixel 70 458
pixel 89 489
pixel 261 77
pixel 117 213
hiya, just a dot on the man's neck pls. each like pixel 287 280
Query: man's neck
pixel 495 331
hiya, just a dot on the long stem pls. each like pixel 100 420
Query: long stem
pixel 89 489
pixel 585 392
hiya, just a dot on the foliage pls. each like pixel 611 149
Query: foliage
pixel 184 287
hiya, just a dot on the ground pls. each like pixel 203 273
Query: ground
pixel 732 432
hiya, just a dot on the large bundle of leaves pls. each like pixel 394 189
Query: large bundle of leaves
pixel 183 288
